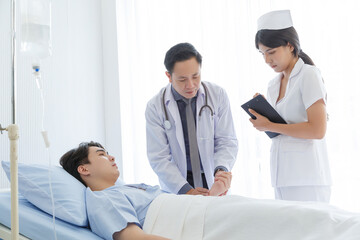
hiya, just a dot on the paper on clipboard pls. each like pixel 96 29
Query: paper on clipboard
pixel 260 105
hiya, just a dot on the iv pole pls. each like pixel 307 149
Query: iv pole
pixel 13 130
pixel 13 133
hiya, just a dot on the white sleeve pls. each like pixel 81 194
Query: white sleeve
pixel 312 88
pixel 159 152
pixel 226 144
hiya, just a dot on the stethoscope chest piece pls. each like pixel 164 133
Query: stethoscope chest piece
pixel 167 124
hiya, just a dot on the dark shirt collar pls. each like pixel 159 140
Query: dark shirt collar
pixel 178 97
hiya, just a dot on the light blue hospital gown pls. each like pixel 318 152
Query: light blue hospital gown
pixel 111 210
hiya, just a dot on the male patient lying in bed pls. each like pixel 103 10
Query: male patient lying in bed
pixel 118 211
pixel 127 205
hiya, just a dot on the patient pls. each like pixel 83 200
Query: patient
pixel 117 211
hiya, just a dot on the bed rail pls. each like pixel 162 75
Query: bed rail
pixel 5 234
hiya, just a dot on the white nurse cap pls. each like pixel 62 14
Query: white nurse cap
pixel 275 20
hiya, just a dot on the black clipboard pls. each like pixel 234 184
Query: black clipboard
pixel 260 105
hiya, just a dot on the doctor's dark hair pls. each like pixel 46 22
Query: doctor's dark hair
pixel 277 38
pixel 180 52
pixel 71 160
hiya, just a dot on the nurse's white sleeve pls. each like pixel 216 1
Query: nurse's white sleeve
pixel 225 141
pixel 312 87
pixel 159 152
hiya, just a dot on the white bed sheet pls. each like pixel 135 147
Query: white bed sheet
pixel 188 217
pixel 36 224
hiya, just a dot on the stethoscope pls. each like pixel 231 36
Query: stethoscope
pixel 167 123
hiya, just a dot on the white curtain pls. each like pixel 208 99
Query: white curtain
pixel 223 31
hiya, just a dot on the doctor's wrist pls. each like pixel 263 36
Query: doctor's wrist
pixel 185 189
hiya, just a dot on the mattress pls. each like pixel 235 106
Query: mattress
pixel 36 224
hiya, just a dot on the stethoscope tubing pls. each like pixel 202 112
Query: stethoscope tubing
pixel 167 122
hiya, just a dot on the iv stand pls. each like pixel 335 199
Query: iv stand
pixel 13 132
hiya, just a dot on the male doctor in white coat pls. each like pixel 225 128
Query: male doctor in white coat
pixel 191 139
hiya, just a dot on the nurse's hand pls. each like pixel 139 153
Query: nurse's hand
pixel 198 191
pixel 257 94
pixel 261 123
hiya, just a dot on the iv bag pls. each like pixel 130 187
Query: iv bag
pixel 35 28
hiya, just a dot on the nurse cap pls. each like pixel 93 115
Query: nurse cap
pixel 275 20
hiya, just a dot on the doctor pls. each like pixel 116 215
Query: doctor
pixel 190 132
pixel 299 161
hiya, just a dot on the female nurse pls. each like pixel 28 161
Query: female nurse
pixel 299 161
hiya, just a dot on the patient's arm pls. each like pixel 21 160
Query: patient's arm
pixel 222 183
pixel 217 188
pixel 198 191
pixel 133 232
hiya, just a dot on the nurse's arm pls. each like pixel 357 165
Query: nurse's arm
pixel 133 232
pixel 314 128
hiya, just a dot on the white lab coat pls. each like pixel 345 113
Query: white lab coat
pixel 216 137
pixel 294 161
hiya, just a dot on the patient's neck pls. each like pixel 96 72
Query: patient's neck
pixel 99 185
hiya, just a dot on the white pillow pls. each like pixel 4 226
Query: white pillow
pixel 68 192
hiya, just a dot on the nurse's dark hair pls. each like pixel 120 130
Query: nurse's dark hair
pixel 180 52
pixel 71 160
pixel 277 38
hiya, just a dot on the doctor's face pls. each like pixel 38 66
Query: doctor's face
pixel 280 58
pixel 186 77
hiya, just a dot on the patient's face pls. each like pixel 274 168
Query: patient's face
pixel 102 165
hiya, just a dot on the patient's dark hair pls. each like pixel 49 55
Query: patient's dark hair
pixel 277 38
pixel 71 160
pixel 180 52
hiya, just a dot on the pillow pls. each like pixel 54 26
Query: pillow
pixel 68 192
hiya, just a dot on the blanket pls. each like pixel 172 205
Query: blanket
pixel 234 217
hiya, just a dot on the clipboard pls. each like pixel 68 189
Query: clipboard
pixel 260 105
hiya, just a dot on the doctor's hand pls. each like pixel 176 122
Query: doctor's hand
pixel 222 183
pixel 198 191
pixel 261 123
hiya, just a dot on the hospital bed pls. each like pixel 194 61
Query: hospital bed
pixel 5 232
pixel 35 205
pixel 36 224
pixel 180 217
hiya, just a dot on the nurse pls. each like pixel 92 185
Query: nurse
pixel 299 161
pixel 189 127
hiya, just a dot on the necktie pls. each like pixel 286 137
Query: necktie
pixel 193 146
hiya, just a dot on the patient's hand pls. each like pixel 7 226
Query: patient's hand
pixel 133 232
pixel 198 191
pixel 222 184
pixel 217 189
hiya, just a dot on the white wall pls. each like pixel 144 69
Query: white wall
pixel 111 81
pixel 73 80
